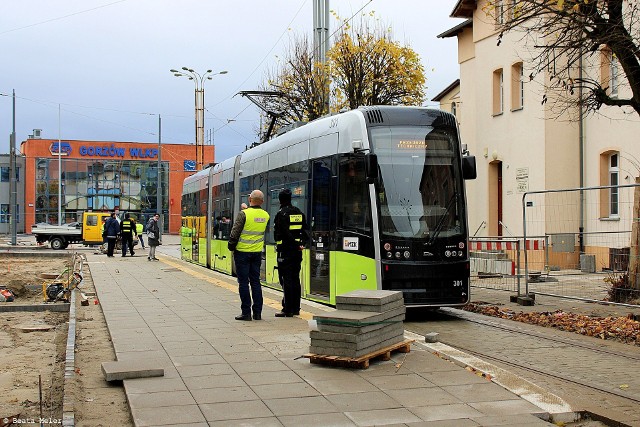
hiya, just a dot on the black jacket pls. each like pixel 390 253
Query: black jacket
pixel 291 240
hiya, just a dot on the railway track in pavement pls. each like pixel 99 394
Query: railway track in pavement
pixel 591 374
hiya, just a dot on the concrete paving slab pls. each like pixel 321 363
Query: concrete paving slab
pixel 117 371
pixel 213 381
pixel 346 352
pixel 151 385
pixel 356 338
pixel 427 396
pixel 300 406
pixel 395 334
pixel 223 394
pixel 244 367
pixel 462 422
pixel 235 410
pixel 382 417
pixel 204 370
pixel 356 318
pixel 347 328
pixel 273 377
pixel 399 382
pixel 279 391
pixel 456 411
pixel 479 392
pixel 511 420
pixel 253 422
pixel 455 377
pixel 161 399
pixel 372 308
pixel 368 297
pixel 167 415
pixel 333 419
pixel 340 386
pixel 363 401
pixel 505 407
pixel 201 359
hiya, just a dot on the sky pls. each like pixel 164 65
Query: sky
pixel 98 70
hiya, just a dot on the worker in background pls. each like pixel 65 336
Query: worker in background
pixel 111 230
pixel 127 230
pixel 290 234
pixel 139 231
pixel 247 242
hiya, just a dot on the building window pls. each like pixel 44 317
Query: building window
pixel 500 12
pixel 614 73
pixel 4 174
pixel 609 72
pixel 4 213
pixel 517 86
pixel 454 109
pixel 614 173
pixel 498 92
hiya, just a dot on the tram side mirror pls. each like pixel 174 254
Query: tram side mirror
pixel 469 167
pixel 371 167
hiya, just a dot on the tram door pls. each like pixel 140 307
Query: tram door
pixel 321 224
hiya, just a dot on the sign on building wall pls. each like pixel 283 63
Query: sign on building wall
pixel 522 179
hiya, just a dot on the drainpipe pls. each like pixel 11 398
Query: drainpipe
pixel 581 149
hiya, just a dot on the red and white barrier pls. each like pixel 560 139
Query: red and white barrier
pixel 496 245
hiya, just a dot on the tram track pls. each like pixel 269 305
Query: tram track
pixel 461 314
pixel 591 374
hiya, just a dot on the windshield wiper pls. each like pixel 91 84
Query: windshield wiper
pixel 438 228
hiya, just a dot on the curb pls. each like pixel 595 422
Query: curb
pixel 68 417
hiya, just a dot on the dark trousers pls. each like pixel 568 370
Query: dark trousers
pixel 127 242
pixel 248 271
pixel 289 275
pixel 111 244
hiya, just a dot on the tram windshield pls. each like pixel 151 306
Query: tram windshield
pixel 420 192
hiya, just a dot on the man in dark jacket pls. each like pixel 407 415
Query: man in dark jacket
pixel 127 230
pixel 111 230
pixel 290 233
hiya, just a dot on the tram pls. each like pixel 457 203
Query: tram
pixel 382 188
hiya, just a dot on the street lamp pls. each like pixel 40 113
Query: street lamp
pixel 199 80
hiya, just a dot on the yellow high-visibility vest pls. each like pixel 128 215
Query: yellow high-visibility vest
pixel 252 235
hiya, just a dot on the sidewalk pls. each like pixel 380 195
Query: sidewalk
pixel 219 371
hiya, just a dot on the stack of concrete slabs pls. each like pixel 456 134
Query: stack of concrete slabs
pixel 366 321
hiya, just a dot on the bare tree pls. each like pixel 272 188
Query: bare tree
pixel 567 32
pixel 301 80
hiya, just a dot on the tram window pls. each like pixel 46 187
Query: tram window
pixel 353 203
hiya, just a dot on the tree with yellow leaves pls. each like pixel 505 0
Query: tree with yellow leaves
pixel 364 67
pixel 368 68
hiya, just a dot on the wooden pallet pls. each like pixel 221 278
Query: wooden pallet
pixel 361 362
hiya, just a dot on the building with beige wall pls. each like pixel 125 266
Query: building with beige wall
pixel 522 144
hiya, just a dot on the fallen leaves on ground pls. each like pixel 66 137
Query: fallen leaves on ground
pixel 624 329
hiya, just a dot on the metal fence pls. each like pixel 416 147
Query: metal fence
pixel 576 243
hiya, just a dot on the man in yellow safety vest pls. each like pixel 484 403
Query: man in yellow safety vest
pixel 247 243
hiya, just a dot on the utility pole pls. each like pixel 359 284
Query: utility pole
pixel 13 214
pixel 159 189
pixel 321 40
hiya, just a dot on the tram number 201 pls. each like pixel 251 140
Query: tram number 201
pixel 457 283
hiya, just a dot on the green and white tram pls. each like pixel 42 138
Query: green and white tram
pixel 382 188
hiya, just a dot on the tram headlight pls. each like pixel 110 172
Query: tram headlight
pixel 389 255
pixel 407 254
pixel 398 255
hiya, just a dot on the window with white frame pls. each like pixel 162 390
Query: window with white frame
pixel 454 109
pixel 614 173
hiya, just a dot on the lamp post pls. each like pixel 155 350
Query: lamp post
pixel 199 80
